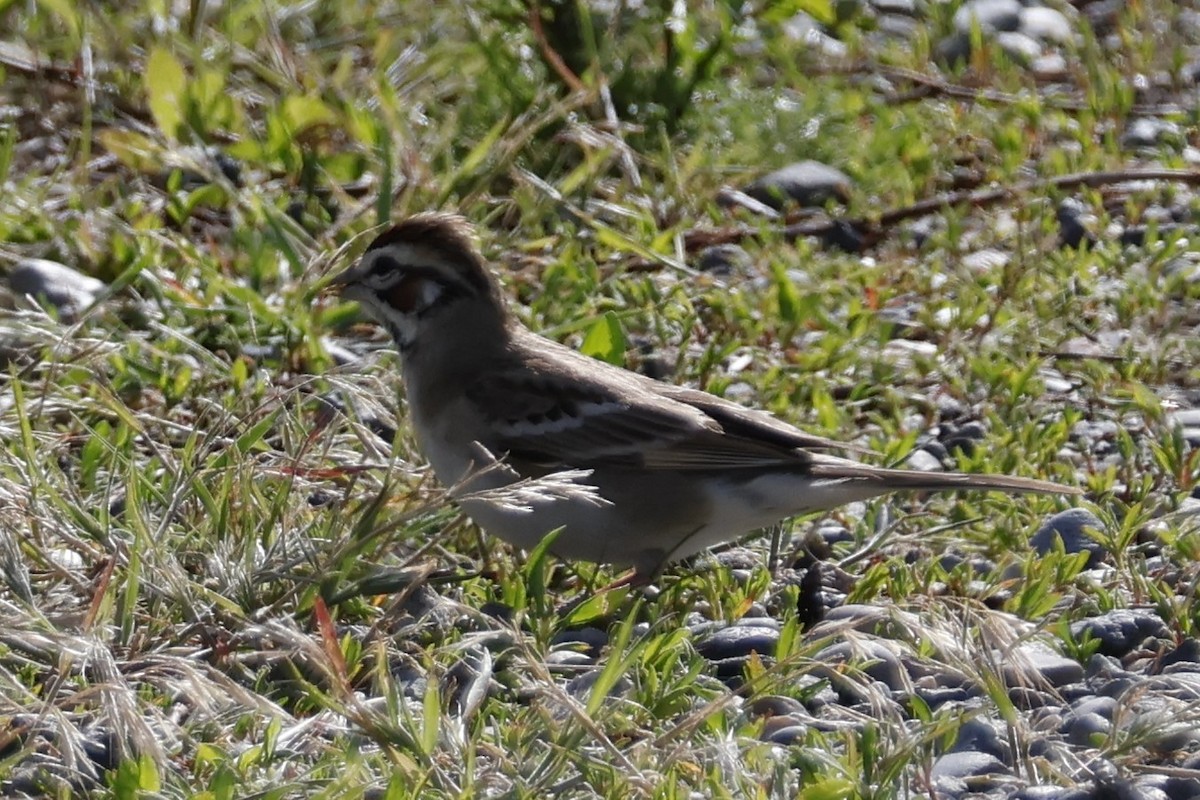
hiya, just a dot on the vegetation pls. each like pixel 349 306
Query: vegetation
pixel 226 573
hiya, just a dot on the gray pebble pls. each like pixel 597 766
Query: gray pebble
pixel 1046 24
pixel 1120 630
pixel 922 460
pixel 989 15
pixel 1087 730
pixel 568 658
pixel 739 642
pixel 907 8
pixel 1071 528
pixel 1053 793
pixel 807 183
pixel 586 640
pixel 876 660
pixel 785 735
pixel 982 735
pixel 581 686
pixel 68 290
pixel 1186 418
pixel 723 259
pixel 954 767
pixel 1102 706
pixel 1019 47
pixel 774 705
pixel 953 50
pixel 1055 669
pixel 1148 132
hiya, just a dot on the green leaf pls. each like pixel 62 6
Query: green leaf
pixel 820 10
pixel 165 83
pixel 67 12
pixel 136 151
pixel 302 113
pixel 790 303
pixel 605 340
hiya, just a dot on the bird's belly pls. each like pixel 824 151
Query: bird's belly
pixel 619 522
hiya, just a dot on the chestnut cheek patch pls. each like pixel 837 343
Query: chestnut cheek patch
pixel 413 294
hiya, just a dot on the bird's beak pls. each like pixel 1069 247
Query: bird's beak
pixel 339 283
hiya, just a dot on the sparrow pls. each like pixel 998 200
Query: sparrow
pixel 664 471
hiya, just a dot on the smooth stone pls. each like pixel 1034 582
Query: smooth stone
pixel 67 289
pixel 1186 418
pixel 967 764
pixel 568 658
pixel 739 642
pixel 786 736
pixel 807 183
pixel 906 7
pixel 1055 669
pixel 923 461
pixel 1087 730
pixel 806 30
pixel 1120 631
pixel 1028 699
pixel 592 640
pixel 1070 528
pixel 954 50
pixel 1075 221
pixel 989 15
pixel 1148 132
pixel 937 697
pixel 774 705
pixel 1181 787
pixel 876 660
pixel 1019 47
pixel 581 687
pixel 981 735
pixel 1053 793
pixel 1184 658
pixel 986 260
pixel 1050 66
pixel 723 259
pixel 1101 706
pixel 1046 24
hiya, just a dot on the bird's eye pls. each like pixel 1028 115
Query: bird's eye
pixel 385 272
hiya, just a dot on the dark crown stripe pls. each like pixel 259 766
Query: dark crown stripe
pixel 446 233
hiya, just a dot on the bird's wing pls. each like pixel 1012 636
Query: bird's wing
pixel 750 423
pixel 578 415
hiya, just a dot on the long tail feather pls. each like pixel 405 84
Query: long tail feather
pixel 919 480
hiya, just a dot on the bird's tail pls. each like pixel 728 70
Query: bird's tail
pixel 832 467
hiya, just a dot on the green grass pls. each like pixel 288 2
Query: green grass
pixel 219 578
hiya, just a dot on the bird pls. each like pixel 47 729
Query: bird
pixel 663 471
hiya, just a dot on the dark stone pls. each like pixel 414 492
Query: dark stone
pixel 1148 132
pixel 739 642
pixel 586 640
pixel 989 15
pixel 723 259
pixel 1087 730
pixel 967 764
pixel 876 660
pixel 807 183
pixel 1070 528
pixel 68 290
pixel 787 735
pixel 1119 631
pixel 1073 224
pixel 981 735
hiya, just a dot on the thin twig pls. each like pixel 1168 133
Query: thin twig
pixel 872 228
pixel 553 59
